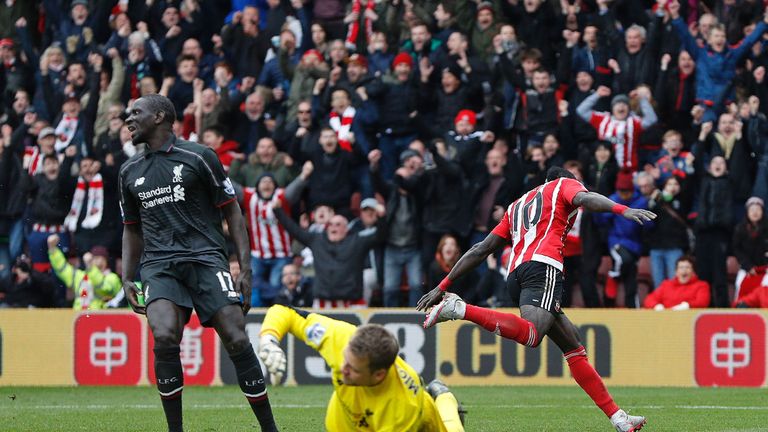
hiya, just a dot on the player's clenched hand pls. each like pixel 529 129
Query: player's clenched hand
pixel 639 215
pixel 273 358
pixel 430 299
pixel 243 287
pixel 132 294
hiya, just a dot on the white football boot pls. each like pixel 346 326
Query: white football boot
pixel 452 307
pixel 627 423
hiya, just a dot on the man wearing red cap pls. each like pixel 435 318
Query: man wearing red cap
pixel 468 142
pixel 624 242
pixel 13 72
pixel 357 75
pixel 397 104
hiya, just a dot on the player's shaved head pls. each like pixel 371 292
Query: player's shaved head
pixel 377 344
pixel 158 103
pixel 555 173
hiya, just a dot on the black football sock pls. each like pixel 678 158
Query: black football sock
pixel 170 383
pixel 254 388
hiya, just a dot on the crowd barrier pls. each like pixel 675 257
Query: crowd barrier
pixel 627 347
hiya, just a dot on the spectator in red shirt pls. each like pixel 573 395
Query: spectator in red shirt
pixel 756 299
pixel 682 292
pixel 226 150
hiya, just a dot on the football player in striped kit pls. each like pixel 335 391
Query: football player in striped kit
pixel 536 225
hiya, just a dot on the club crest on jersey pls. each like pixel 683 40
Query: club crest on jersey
pixel 177 173
pixel 139 181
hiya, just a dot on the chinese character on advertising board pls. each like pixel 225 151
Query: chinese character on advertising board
pixel 730 350
pixel 108 349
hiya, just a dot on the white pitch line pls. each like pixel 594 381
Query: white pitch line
pixel 236 406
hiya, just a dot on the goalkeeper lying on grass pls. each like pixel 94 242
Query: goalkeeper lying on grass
pixel 374 389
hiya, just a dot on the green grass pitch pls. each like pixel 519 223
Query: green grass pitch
pixel 303 408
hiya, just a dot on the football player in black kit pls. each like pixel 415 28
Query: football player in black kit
pixel 172 197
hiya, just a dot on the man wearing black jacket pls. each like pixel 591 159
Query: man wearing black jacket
pixel 339 259
pixel 26 288
pixel 51 193
pixel 403 221
pixel 675 92
pixel 12 203
pixel 296 137
pixel 397 104
pixel 245 43
pixel 443 213
pixel 713 230
pixel 637 56
pixel 600 176
pixel 333 180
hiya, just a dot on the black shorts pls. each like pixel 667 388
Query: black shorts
pixel 207 288
pixel 539 285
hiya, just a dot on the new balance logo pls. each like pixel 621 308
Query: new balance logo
pixel 178 193
pixel 139 181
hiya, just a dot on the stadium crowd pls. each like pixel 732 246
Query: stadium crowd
pixel 371 142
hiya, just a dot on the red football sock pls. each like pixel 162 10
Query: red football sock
pixel 586 376
pixel 611 287
pixel 506 325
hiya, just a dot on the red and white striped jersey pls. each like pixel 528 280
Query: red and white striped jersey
pixel 624 134
pixel 538 222
pixel 268 238
pixel 33 160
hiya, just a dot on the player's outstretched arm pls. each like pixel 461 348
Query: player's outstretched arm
pixel 595 202
pixel 239 236
pixel 471 259
pixel 133 244
pixel 324 334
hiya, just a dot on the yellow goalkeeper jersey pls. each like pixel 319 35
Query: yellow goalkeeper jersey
pixel 397 404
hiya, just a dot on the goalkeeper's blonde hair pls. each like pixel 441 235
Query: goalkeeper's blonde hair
pixel 377 344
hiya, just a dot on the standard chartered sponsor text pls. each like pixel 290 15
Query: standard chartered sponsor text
pixel 161 195
pixel 160 190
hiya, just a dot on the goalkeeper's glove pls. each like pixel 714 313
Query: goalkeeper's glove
pixel 682 306
pixel 273 358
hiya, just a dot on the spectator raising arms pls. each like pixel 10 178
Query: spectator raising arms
pixel 461 104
